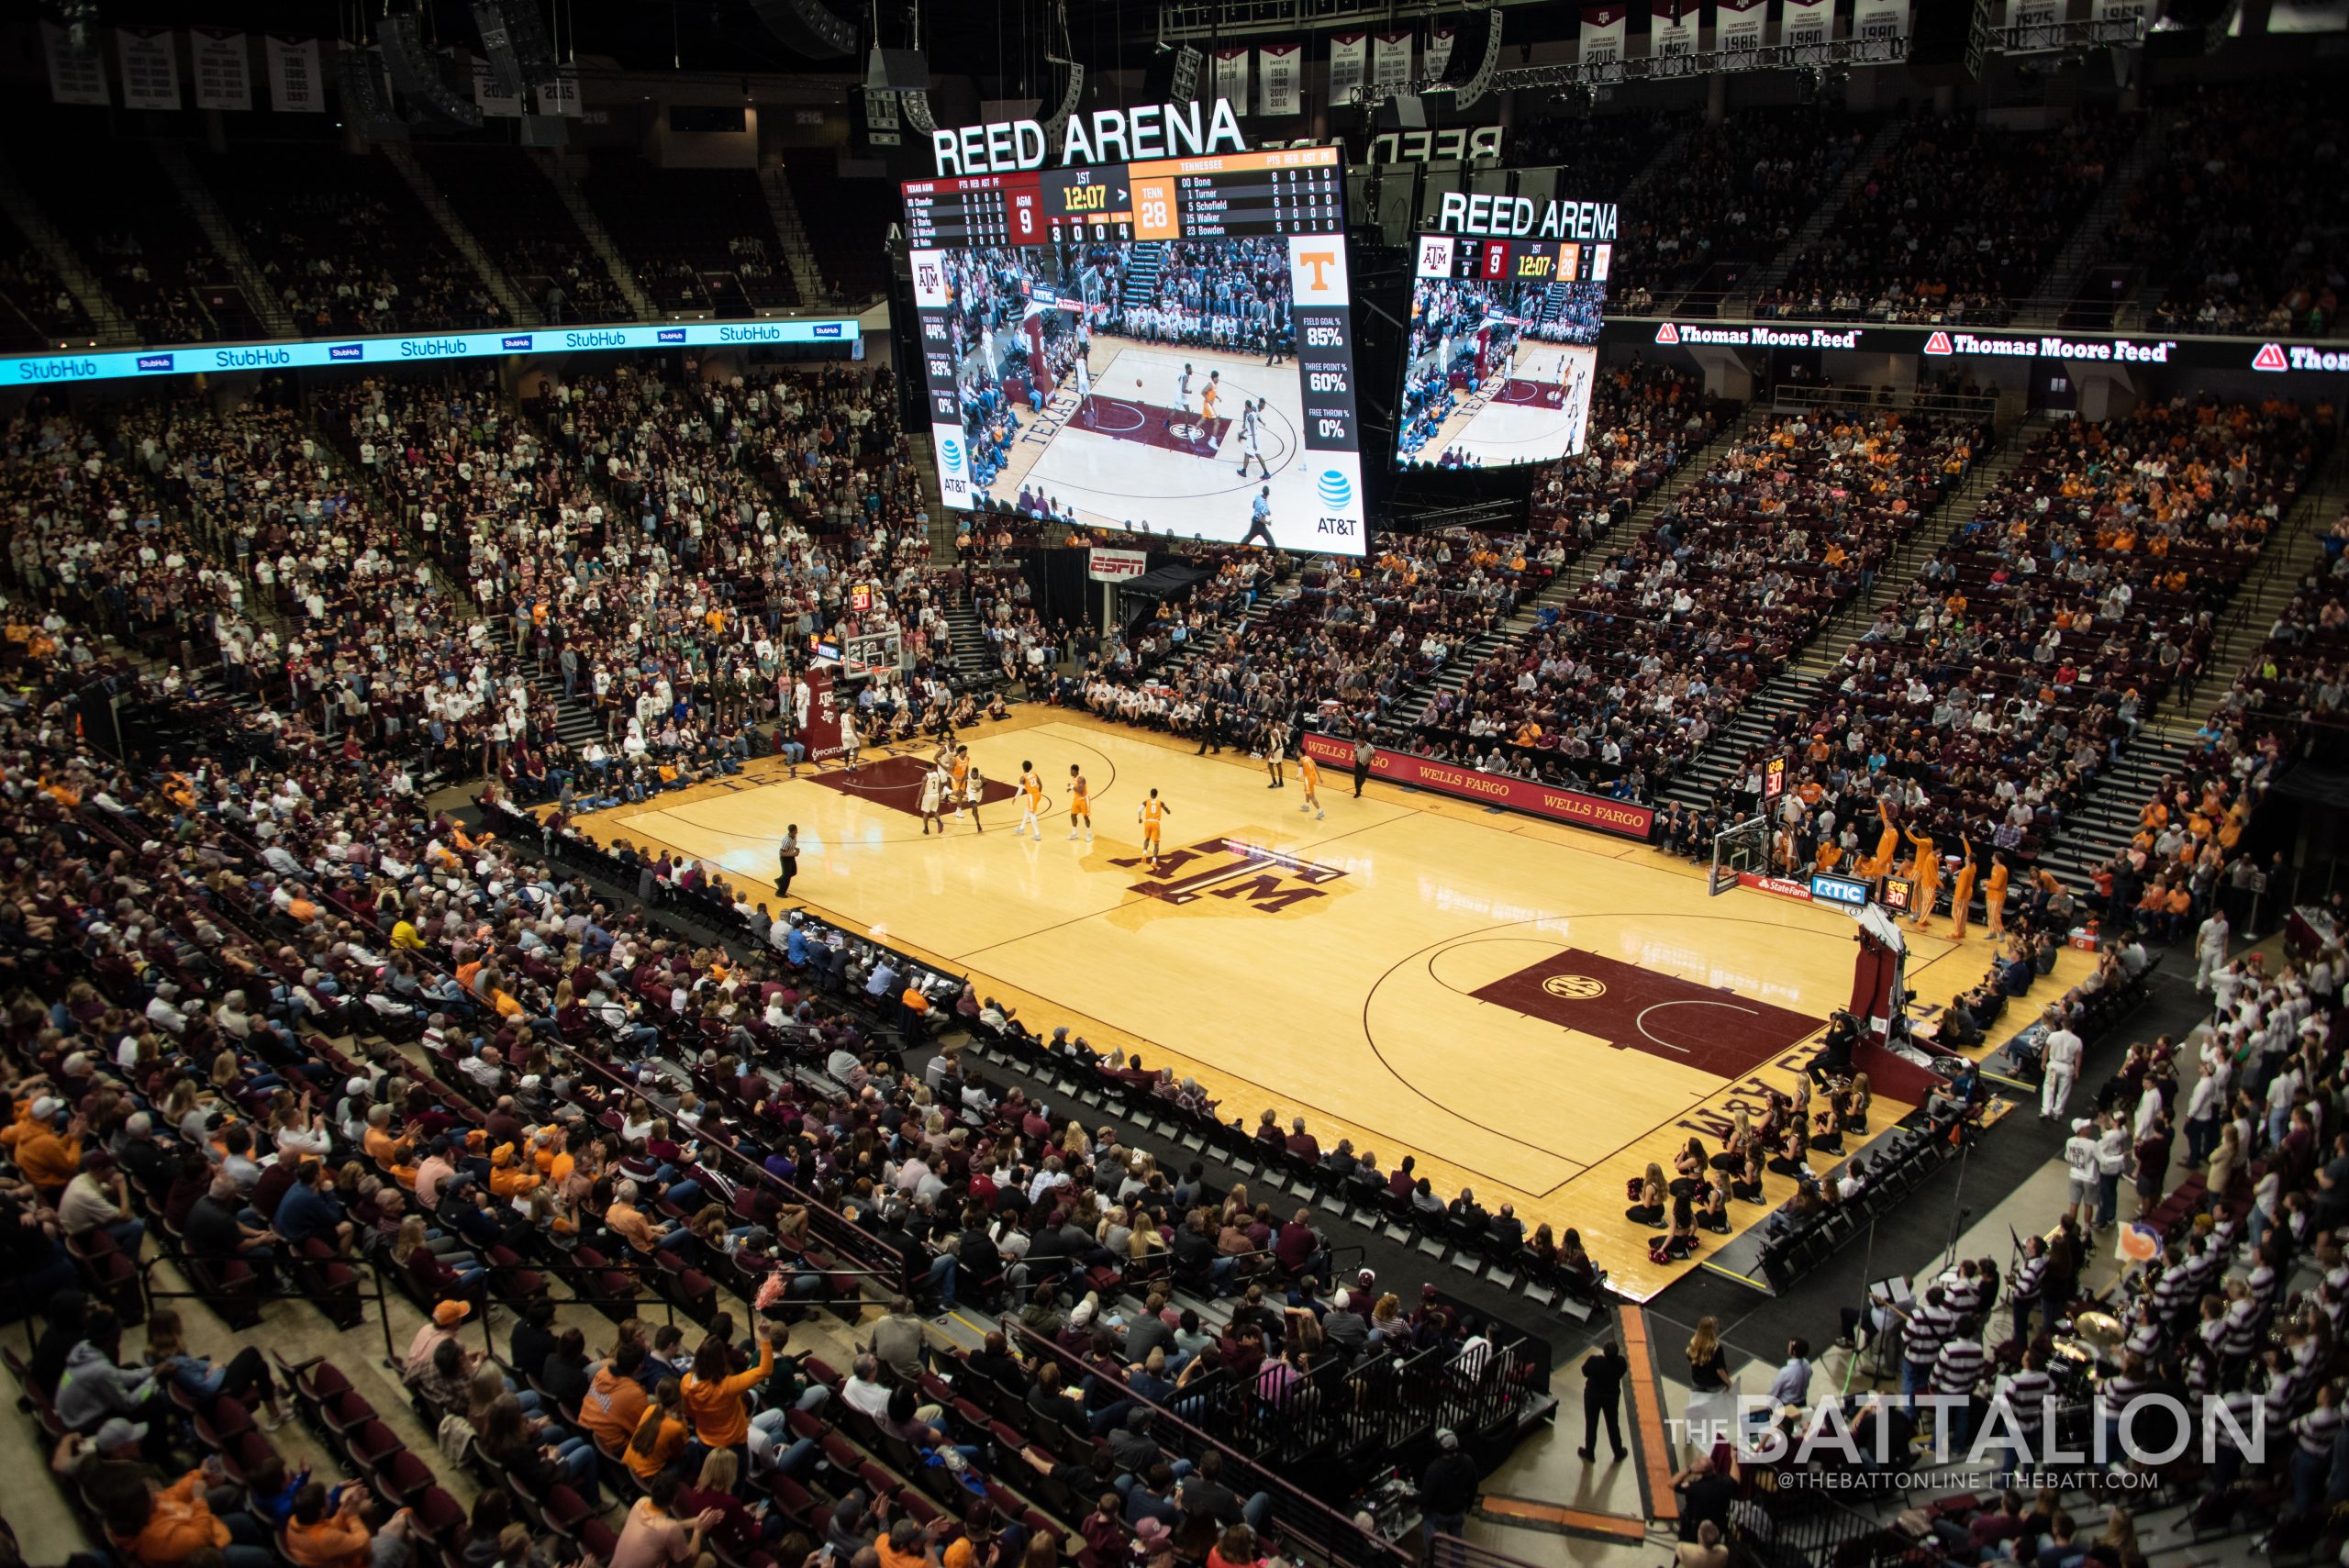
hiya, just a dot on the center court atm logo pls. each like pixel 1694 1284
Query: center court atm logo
pixel 1334 490
pixel 1238 875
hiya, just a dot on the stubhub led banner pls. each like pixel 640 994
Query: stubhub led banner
pixel 45 370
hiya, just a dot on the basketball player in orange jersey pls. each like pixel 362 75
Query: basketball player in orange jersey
pixel 1994 896
pixel 1080 803
pixel 1961 892
pixel 1925 871
pixel 959 771
pixel 1031 802
pixel 1309 772
pixel 1153 817
pixel 1887 844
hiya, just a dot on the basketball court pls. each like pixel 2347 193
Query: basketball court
pixel 1532 1010
pixel 1538 410
pixel 1138 455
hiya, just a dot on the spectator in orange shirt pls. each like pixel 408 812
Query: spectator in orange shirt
pixel 48 1158
pixel 322 1537
pixel 627 1221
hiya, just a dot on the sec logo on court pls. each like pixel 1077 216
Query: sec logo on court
pixel 1575 987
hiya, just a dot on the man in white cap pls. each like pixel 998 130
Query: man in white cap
pixel 2079 1162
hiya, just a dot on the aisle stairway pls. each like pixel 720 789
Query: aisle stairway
pixel 1142 274
pixel 1565 585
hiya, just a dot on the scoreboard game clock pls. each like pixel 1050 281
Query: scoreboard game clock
pixel 1160 346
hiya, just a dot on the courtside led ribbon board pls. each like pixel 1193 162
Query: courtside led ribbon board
pixel 44 370
pixel 1596 811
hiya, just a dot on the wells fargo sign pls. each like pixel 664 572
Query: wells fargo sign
pixel 1619 817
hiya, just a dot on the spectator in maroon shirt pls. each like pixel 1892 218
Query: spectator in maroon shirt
pixel 1301 1144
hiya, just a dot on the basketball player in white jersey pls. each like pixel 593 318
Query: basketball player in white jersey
pixel 974 791
pixel 933 798
pixel 1183 390
pixel 1084 389
pixel 850 740
pixel 1251 429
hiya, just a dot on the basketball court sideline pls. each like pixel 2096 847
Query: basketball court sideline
pixel 1531 1011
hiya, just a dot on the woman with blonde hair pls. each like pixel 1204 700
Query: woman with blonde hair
pixel 1708 1362
pixel 661 1435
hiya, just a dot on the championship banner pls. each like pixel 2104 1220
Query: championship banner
pixel 1105 565
pixel 1737 27
pixel 224 69
pixel 1620 818
pixel 1806 21
pixel 1879 19
pixel 1349 64
pixel 1672 27
pixel 1440 38
pixel 2035 24
pixel 1390 60
pixel 151 68
pixel 489 98
pixel 2122 10
pixel 1603 31
pixel 1232 77
pixel 1280 76
pixel 297 82
pixel 560 96
pixel 75 75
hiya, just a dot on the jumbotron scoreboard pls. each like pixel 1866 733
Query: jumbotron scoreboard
pixel 1228 196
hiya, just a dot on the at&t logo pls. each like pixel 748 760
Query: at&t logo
pixel 1335 492
pixel 950 451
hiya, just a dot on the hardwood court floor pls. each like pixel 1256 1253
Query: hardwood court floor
pixel 1531 1010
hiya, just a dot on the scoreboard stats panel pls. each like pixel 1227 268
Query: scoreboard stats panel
pixel 1095 343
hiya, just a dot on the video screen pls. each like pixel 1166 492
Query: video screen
pixel 1503 352
pixel 1195 386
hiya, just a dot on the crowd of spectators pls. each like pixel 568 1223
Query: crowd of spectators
pixel 344 245
pixel 2230 219
pixel 1986 698
pixel 1643 663
pixel 598 1092
pixel 1734 195
pixel 39 297
pixel 1901 250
